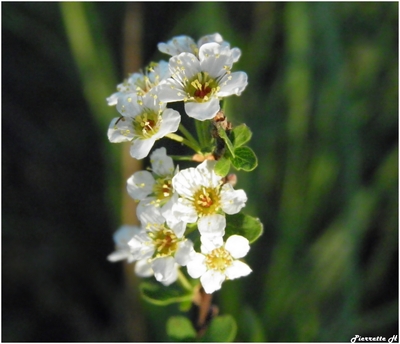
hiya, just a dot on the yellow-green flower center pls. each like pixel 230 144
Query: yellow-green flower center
pixel 219 259
pixel 206 201
pixel 147 124
pixel 162 190
pixel 201 88
pixel 165 242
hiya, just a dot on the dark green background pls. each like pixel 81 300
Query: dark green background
pixel 322 102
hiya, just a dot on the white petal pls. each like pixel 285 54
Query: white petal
pixel 163 268
pixel 119 255
pixel 141 246
pixel 183 67
pixel 169 123
pixel 161 163
pixel 187 182
pixel 233 83
pixel 212 281
pixel 120 130
pixel 166 209
pixel 214 57
pixel 143 268
pixel 149 215
pixel 212 226
pixel 208 177
pixel 171 278
pixel 209 244
pixel 170 91
pixel 232 201
pixel 140 148
pixel 196 267
pixel 202 111
pixel 125 233
pixel 128 106
pixel 177 45
pixel 145 209
pixel 184 253
pixel 178 228
pixel 140 185
pixel 184 211
pixel 237 269
pixel 237 246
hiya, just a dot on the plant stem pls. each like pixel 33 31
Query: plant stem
pixel 182 157
pixel 203 132
pixel 184 141
pixel 183 281
pixel 188 135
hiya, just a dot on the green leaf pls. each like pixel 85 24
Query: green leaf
pixel 222 329
pixel 222 166
pixel 222 134
pixel 241 135
pixel 244 159
pixel 161 295
pixel 179 328
pixel 245 225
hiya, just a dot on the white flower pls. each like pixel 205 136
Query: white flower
pixel 201 82
pixel 121 238
pixel 143 123
pixel 218 262
pixel 154 189
pixel 165 248
pixel 139 84
pixel 205 199
pixel 123 251
pixel 185 44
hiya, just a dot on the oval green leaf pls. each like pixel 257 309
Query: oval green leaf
pixel 180 329
pixel 222 166
pixel 247 226
pixel 161 295
pixel 222 329
pixel 244 159
pixel 241 135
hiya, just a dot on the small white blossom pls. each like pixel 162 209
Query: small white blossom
pixel 218 262
pixel 121 238
pixel 139 84
pixel 186 44
pixel 154 189
pixel 143 123
pixel 205 199
pixel 123 251
pixel 165 248
pixel 201 82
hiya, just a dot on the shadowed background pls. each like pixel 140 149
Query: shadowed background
pixel 322 102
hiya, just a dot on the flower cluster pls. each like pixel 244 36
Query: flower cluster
pixel 177 207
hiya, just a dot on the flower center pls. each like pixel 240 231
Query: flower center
pixel 144 84
pixel 202 88
pixel 165 242
pixel 206 201
pixel 146 124
pixel 219 259
pixel 162 190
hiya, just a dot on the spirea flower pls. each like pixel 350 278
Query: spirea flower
pixel 123 251
pixel 205 199
pixel 218 262
pixel 201 82
pixel 186 44
pixel 164 247
pixel 154 189
pixel 143 123
pixel 139 84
